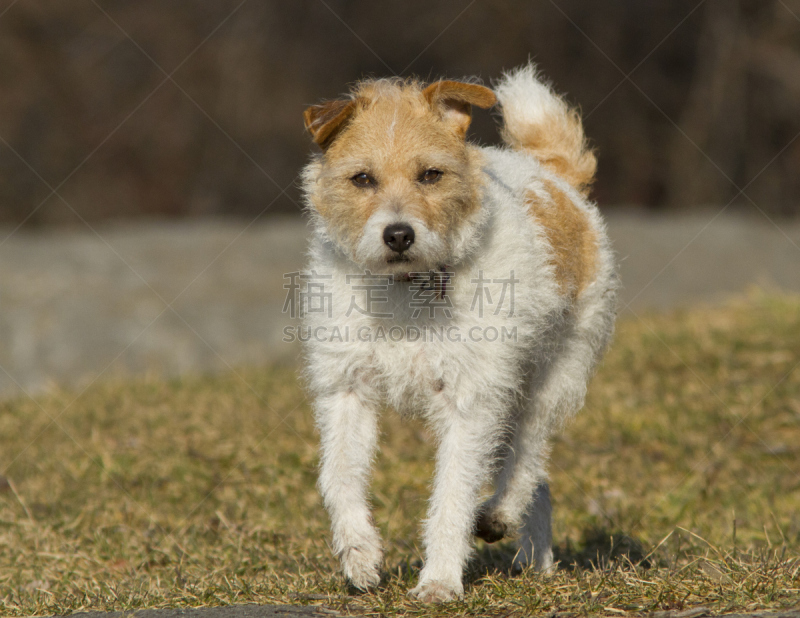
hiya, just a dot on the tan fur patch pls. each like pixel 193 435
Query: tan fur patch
pixel 559 144
pixel 325 120
pixel 573 242
pixel 455 101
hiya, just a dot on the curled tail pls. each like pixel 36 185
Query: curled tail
pixel 537 120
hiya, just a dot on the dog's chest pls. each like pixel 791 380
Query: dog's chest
pixel 409 374
pixel 428 342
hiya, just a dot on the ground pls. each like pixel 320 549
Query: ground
pixel 677 486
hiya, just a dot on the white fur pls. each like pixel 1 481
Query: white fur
pixel 526 100
pixel 491 405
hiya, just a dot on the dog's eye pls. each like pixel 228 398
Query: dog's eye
pixel 430 176
pixel 362 179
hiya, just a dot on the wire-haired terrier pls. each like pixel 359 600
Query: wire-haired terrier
pixel 472 286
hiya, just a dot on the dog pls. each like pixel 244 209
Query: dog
pixel 472 286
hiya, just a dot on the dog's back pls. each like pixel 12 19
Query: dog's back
pixel 553 169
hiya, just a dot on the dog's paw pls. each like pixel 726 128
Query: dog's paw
pixel 361 566
pixel 488 526
pixel 436 592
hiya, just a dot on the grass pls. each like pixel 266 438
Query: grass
pixel 677 486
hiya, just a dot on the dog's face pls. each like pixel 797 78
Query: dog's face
pixel 396 184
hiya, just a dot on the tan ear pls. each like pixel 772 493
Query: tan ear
pixel 455 100
pixel 324 121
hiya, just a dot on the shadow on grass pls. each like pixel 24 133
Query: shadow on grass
pixel 598 548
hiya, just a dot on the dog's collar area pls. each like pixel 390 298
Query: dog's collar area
pixel 442 271
pixel 433 280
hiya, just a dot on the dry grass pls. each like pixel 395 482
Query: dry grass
pixel 682 476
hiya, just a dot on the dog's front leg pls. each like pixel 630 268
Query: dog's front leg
pixel 348 426
pixel 467 442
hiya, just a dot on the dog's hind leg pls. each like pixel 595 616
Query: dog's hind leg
pixel 536 535
pixel 558 390
pixel 522 498
pixel 349 433
pixel 536 542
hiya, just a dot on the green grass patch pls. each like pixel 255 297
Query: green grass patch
pixel 677 486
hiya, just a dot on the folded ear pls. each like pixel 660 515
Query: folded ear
pixel 454 100
pixel 326 120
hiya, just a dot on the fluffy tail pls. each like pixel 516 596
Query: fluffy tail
pixel 537 120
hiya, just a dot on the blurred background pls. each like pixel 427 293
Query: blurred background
pixel 149 154
pixel 191 108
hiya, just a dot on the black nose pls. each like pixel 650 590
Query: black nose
pixel 398 236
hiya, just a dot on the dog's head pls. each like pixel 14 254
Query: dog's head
pixel 397 187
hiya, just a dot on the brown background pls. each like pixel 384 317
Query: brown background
pixel 189 107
